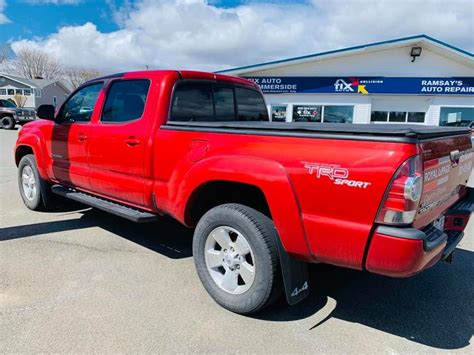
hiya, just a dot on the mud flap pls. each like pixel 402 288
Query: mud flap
pixel 295 276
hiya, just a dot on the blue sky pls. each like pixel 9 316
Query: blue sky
pixel 41 18
pixel 118 35
pixel 31 19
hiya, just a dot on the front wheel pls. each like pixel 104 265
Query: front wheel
pixel 34 191
pixel 236 257
pixel 8 122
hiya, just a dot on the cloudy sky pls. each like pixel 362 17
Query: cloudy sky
pixel 210 35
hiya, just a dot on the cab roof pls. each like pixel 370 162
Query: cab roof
pixel 183 74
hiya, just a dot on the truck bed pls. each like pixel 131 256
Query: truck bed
pixel 390 132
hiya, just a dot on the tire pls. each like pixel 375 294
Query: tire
pixel 244 293
pixel 8 122
pixel 39 196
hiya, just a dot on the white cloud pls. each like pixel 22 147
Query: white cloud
pixel 3 18
pixel 193 34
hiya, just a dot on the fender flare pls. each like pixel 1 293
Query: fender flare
pixel 267 175
pixel 33 141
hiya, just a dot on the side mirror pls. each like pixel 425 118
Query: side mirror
pixel 46 112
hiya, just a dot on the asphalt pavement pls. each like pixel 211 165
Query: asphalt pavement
pixel 80 280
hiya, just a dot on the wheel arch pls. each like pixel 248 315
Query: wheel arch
pixel 267 179
pixel 209 194
pixel 31 144
pixel 21 151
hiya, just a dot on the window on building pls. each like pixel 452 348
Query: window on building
pixel 416 117
pixel 457 116
pixel 307 113
pixel 397 117
pixel 125 100
pixel 250 105
pixel 3 92
pixel 55 101
pixel 19 92
pixel 27 92
pixel 79 107
pixel 379 116
pixel 278 113
pixel 224 103
pixel 11 91
pixel 38 93
pixel 325 114
pixel 338 114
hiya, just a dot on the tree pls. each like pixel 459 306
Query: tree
pixel 4 49
pixel 33 63
pixel 75 76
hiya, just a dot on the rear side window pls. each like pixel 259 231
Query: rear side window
pixel 250 105
pixel 125 100
pixel 224 103
pixel 209 102
pixel 192 102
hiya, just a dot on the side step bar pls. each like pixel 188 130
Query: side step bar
pixel 129 213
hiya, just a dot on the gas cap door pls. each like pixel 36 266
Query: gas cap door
pixel 198 150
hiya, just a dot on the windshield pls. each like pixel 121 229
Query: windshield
pixel 6 103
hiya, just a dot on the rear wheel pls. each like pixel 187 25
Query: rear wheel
pixel 8 122
pixel 34 191
pixel 236 257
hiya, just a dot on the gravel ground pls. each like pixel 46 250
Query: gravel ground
pixel 84 281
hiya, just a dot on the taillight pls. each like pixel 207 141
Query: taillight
pixel 401 201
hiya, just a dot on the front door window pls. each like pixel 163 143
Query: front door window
pixel 79 107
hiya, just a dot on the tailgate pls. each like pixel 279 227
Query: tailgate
pixel 447 164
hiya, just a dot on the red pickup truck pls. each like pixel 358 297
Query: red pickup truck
pixel 265 198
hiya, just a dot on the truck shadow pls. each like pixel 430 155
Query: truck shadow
pixel 434 308
pixel 166 236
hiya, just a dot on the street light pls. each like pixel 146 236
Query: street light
pixel 415 52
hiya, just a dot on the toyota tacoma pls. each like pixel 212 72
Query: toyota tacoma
pixel 264 198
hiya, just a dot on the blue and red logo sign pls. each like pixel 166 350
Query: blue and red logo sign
pixel 366 85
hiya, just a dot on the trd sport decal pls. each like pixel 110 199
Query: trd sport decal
pixel 335 173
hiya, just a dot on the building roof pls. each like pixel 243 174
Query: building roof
pixel 36 83
pixel 17 79
pixel 430 42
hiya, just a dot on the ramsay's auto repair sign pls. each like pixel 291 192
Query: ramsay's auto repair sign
pixel 365 85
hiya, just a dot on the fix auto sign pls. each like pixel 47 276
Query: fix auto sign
pixel 365 85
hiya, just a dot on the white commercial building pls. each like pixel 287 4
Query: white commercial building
pixel 416 79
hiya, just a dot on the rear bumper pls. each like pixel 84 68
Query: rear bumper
pixel 402 252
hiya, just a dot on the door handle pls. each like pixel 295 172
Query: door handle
pixel 132 141
pixel 81 138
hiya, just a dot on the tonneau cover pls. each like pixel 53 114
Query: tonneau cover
pixel 416 131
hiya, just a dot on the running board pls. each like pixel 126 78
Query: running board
pixel 129 213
